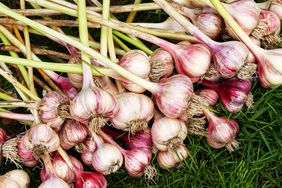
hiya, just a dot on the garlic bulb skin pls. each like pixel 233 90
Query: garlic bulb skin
pixel 174 104
pixel 54 182
pixel 135 112
pixel 161 65
pixel 276 6
pixel 270 69
pixel 195 60
pixel 52 108
pixel 137 160
pixel 72 133
pixel 168 133
pixel 42 135
pixel 93 106
pixel 171 159
pixel 137 62
pixel 209 95
pixel 246 14
pixel 221 131
pixel 7 182
pixel 19 176
pixel 210 24
pixel 229 58
pixel 107 159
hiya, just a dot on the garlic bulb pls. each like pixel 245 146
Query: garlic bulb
pixel 87 157
pixel 221 131
pixel 135 112
pixel 53 109
pixel 54 182
pixel 93 106
pixel 194 60
pixel 209 95
pixel 43 139
pixel 107 159
pixel 72 133
pixel 246 13
pixel 62 170
pixel 171 159
pixel 18 176
pixel 168 134
pixel 161 65
pixel 210 24
pixel 7 182
pixel 137 62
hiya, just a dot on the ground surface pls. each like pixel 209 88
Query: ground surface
pixel 257 163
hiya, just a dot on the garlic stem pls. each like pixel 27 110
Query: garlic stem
pixel 11 104
pixel 113 9
pixel 67 68
pixel 16 116
pixel 83 35
pixel 6 97
pixel 104 30
pixel 132 14
pixel 133 42
pixel 28 52
pixel 13 54
pixel 96 18
pixel 46 30
pixel 17 84
pixel 65 156
pixel 48 164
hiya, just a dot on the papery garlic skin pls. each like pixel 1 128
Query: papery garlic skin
pixel 229 58
pixel 270 68
pixel 221 132
pixel 107 85
pixel 276 6
pixel 171 103
pixel 72 133
pixel 168 133
pixel 141 139
pixel 87 157
pixel 246 14
pixel 209 95
pixel 76 80
pixel 89 180
pixel 137 62
pixel 171 159
pixel 137 160
pixel 107 159
pixel 54 182
pixel 161 65
pixel 93 106
pixel 7 182
pixel 19 176
pixel 234 93
pixel 61 169
pixel 53 109
pixel 42 137
pixel 210 24
pixel 25 148
pixel 271 23
pixel 135 112
pixel 195 60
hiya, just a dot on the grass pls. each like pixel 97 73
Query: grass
pixel 257 163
